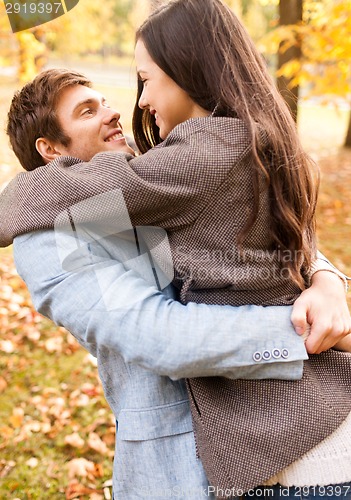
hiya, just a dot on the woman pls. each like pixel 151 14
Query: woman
pixel 203 49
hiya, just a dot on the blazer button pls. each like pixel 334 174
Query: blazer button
pixel 266 355
pixel 276 353
pixel 257 356
pixel 285 353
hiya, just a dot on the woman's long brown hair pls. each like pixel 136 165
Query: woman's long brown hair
pixel 205 49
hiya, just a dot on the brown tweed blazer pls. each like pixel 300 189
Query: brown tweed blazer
pixel 197 186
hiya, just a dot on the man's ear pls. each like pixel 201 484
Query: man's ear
pixel 47 150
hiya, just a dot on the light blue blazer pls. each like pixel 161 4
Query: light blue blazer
pixel 146 343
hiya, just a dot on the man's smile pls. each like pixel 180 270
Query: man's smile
pixel 115 135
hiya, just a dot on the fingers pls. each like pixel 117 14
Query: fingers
pixel 328 315
pixel 299 317
pixel 318 340
pixel 323 336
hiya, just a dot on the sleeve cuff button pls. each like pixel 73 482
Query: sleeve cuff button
pixel 285 353
pixel 266 355
pixel 276 353
pixel 257 356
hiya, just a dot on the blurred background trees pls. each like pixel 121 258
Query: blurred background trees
pixel 306 42
pixel 315 53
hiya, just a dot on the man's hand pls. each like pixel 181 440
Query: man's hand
pixel 323 306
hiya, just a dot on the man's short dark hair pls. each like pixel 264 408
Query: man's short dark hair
pixel 33 114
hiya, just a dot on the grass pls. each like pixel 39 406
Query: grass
pixel 52 377
pixel 49 388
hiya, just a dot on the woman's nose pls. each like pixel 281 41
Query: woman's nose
pixel 143 104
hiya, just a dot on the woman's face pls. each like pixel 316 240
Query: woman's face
pixel 163 98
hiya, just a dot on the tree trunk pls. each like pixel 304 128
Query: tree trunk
pixel 347 143
pixel 290 12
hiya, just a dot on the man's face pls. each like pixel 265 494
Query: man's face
pixel 90 123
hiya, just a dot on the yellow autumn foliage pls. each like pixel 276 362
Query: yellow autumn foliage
pixel 325 42
pixel 90 27
pixel 30 52
pixel 7 47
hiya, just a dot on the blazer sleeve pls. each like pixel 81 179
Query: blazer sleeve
pixel 103 304
pixel 168 186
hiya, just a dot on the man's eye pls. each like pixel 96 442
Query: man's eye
pixel 87 111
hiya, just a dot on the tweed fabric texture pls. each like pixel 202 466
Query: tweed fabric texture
pixel 197 185
pixel 262 437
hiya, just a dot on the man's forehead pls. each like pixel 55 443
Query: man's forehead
pixel 72 96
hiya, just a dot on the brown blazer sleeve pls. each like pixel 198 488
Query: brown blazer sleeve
pixel 168 186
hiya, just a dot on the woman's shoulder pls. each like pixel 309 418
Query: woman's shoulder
pixel 215 129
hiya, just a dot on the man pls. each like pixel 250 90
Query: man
pixel 144 341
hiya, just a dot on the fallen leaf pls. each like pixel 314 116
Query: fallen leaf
pixel 16 418
pixel 6 432
pixel 91 389
pixel 76 490
pixel 33 335
pixel 32 426
pixel 74 440
pixel 80 467
pixel 54 344
pixel 98 445
pixel 107 494
pixel 97 496
pixel 32 462
pixel 81 401
pixel 98 470
pixel 6 467
pixel 7 346
pixel 3 384
pixel 90 359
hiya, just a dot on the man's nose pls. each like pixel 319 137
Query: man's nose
pixel 111 115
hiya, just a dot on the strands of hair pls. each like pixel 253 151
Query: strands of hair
pixel 206 50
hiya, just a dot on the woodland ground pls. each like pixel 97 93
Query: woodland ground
pixel 56 430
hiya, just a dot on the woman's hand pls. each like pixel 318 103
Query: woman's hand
pixel 323 308
pixel 344 344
